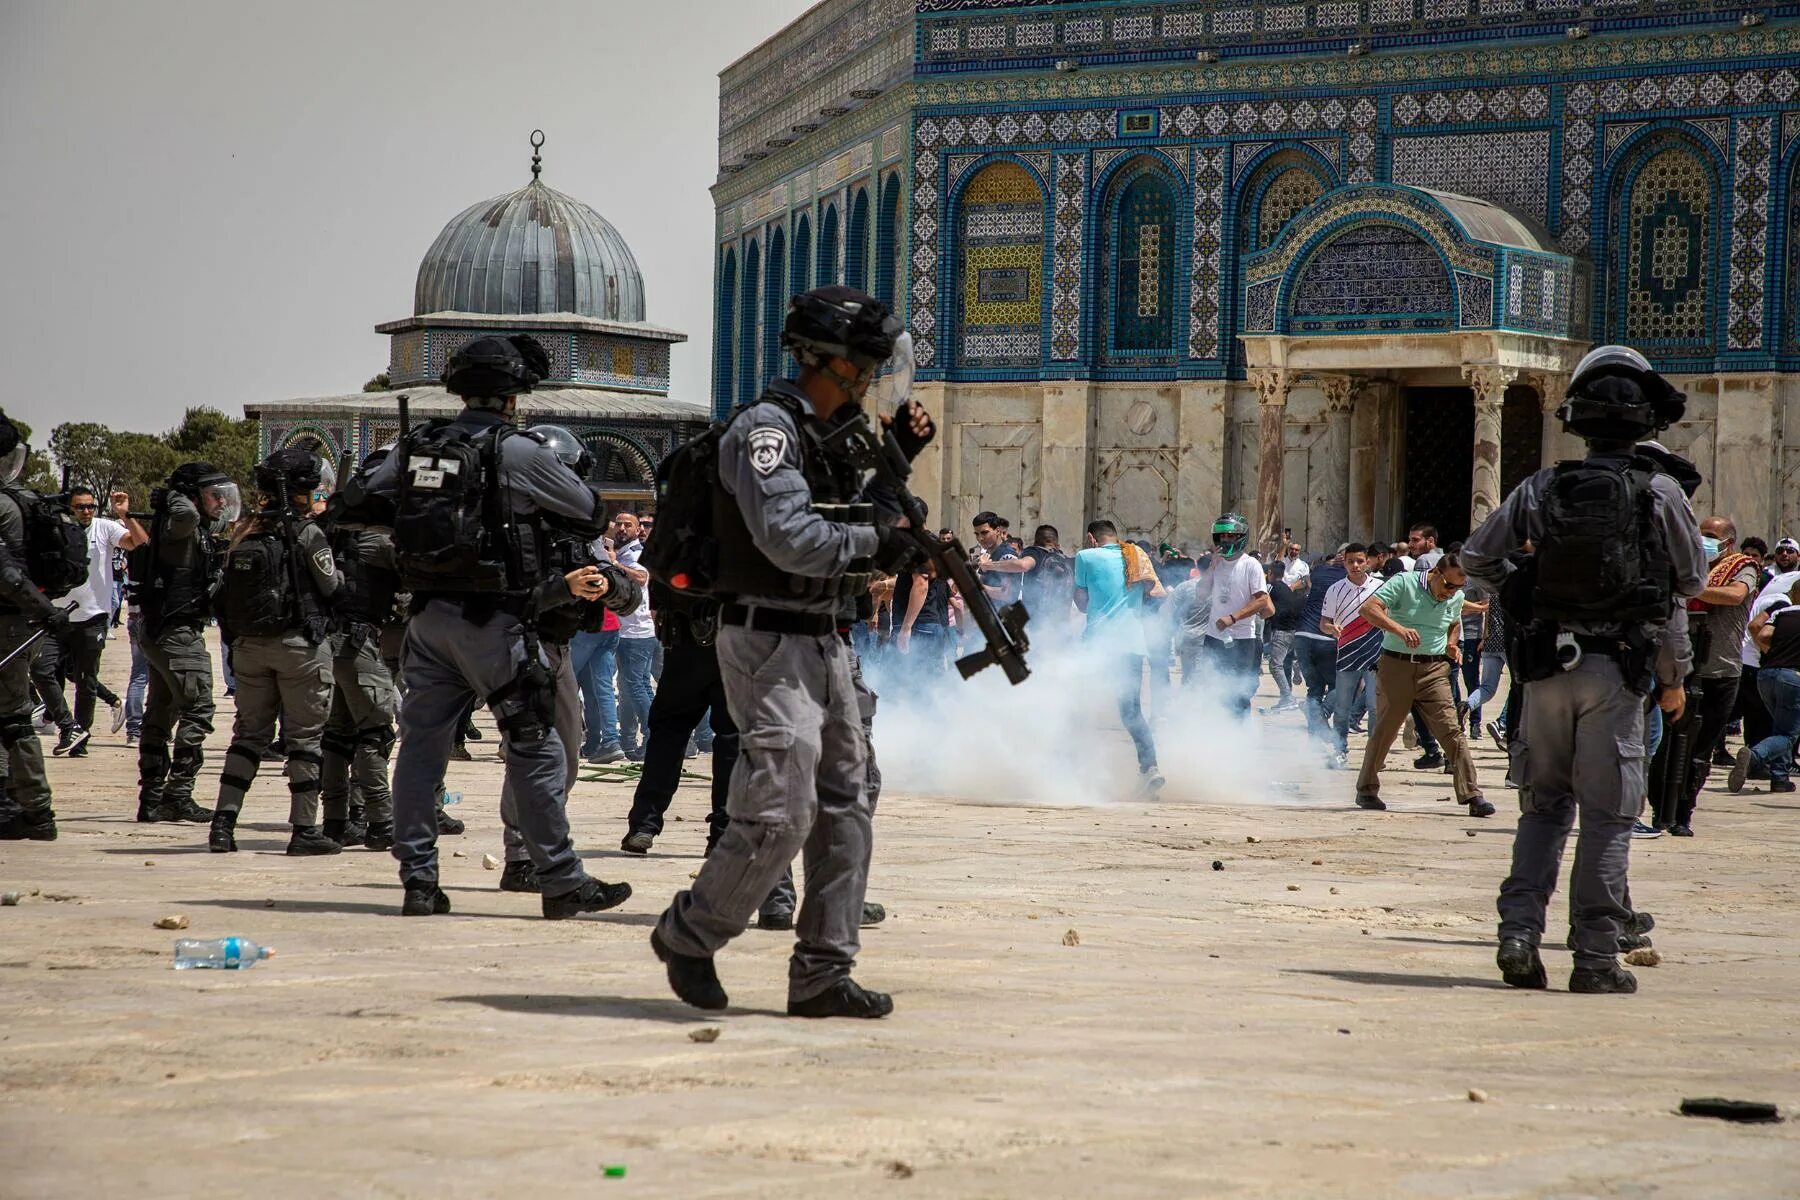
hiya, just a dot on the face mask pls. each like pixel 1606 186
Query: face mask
pixel 1711 546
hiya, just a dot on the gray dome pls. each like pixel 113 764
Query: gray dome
pixel 533 251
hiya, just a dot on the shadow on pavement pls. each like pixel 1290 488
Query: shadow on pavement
pixel 641 1008
pixel 1402 979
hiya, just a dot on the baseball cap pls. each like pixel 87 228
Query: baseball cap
pixel 1788 544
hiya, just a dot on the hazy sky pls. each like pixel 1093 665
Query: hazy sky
pixel 212 201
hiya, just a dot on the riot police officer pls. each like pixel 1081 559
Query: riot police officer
pixel 791 548
pixel 274 610
pixel 173 577
pixel 568 603
pixel 25 811
pixel 470 499
pixel 359 733
pixel 1601 615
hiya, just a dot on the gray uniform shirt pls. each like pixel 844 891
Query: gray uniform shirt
pixel 1521 516
pixel 759 467
pixel 315 548
pixel 534 478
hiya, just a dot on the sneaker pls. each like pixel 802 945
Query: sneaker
pixel 81 751
pixel 775 922
pixel 692 979
pixel 692 751
pixel 594 895
pixel 873 914
pixel 380 836
pixel 1740 770
pixel 845 998
pixel 634 754
pixel 461 753
pixel 1479 807
pixel 1371 803
pixel 637 842
pixel 37 716
pixel 1150 783
pixel 448 825
pixel 1356 726
pixel 1681 830
pixel 1498 735
pixel 1781 785
pixel 1520 965
pixel 1428 762
pixel 118 716
pixel 1609 980
pixel 520 877
pixel 221 838
pixel 1722 757
pixel 309 841
pixel 68 740
pixel 611 752
pixel 424 900
pixel 1339 761
pixel 1641 830
pixel 22 828
pixel 131 739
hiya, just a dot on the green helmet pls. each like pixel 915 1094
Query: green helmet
pixel 1231 536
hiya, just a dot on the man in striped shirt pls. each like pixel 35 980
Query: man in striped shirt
pixel 1358 642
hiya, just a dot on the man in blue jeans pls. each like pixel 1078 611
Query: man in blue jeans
pixel 1115 630
pixel 1358 643
pixel 1316 650
pixel 1777 635
pixel 637 644
pixel 594 657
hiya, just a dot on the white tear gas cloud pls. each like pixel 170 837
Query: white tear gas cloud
pixel 1056 739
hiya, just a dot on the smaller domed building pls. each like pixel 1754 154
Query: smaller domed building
pixel 537 262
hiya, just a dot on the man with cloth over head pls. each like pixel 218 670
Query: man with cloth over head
pixel 792 545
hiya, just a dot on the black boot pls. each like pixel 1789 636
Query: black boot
pixel 1520 965
pixel 220 839
pixel 692 979
pixel 873 914
pixel 1611 979
pixel 775 922
pixel 184 810
pixel 424 900
pixel 310 840
pixel 594 895
pixel 448 824
pixel 356 827
pixel 845 998
pixel 380 836
pixel 335 829
pixel 26 828
pixel 520 877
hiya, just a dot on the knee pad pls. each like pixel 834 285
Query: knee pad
pixel 379 740
pixel 339 745
pixel 189 758
pixel 310 758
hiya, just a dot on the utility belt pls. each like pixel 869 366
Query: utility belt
pixel 778 620
pixel 1544 652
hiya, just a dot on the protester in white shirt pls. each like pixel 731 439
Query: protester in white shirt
pixel 637 644
pixel 1294 571
pixel 76 650
pixel 1240 595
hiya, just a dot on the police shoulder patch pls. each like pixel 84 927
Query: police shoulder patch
pixel 322 559
pixel 768 446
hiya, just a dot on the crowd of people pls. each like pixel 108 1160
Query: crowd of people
pixel 388 609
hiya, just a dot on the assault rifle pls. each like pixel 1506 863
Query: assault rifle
pixel 1004 630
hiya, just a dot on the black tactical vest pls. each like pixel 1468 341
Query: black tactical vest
pixel 174 594
pixel 366 595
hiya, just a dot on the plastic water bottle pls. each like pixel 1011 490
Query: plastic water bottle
pixel 223 954
pixel 452 798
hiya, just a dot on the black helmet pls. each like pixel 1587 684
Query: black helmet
pixel 567 446
pixel 189 478
pixel 377 456
pixel 1615 395
pixel 839 322
pixel 493 368
pixel 13 451
pixel 287 473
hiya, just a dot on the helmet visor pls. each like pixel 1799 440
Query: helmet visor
pixel 13 464
pixel 894 387
pixel 220 502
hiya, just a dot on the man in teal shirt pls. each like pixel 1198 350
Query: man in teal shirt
pixel 1417 613
pixel 1115 636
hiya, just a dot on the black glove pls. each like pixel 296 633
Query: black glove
pixel 895 548
pixel 911 443
pixel 56 620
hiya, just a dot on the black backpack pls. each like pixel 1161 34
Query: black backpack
pixel 682 553
pixel 449 517
pixel 1601 559
pixel 256 597
pixel 56 544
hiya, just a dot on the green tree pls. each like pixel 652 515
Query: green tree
pixel 379 384
pixel 85 450
pixel 208 435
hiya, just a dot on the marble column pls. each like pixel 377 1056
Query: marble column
pixel 1557 445
pixel 1333 489
pixel 1272 386
pixel 1373 470
pixel 1489 384
pixel 1744 454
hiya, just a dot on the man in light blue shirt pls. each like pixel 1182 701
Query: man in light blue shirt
pixel 1115 633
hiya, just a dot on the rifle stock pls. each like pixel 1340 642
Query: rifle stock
pixel 1003 629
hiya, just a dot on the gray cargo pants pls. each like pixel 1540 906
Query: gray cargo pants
pixel 798 785
pixel 289 678
pixel 359 733
pixel 449 662
pixel 1582 747
pixel 178 705
pixel 27 788
pixel 568 728
pixel 780 902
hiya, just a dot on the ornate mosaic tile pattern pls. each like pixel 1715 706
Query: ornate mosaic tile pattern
pixel 1293 190
pixel 1209 241
pixel 1669 250
pixel 1508 168
pixel 1066 282
pixel 1749 233
pixel 1138 260
pixel 1001 268
pixel 926 224
pixel 1373 271
pixel 1469 105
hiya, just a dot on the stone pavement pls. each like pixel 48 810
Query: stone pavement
pixel 1307 1022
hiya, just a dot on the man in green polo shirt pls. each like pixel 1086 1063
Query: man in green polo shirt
pixel 1416 612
